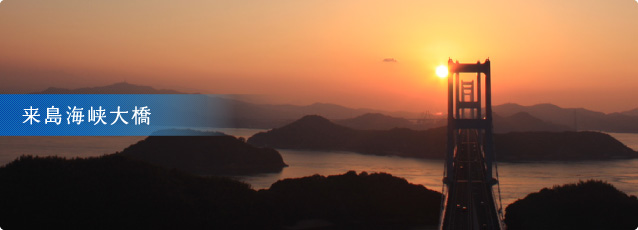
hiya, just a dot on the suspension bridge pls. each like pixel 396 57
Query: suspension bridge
pixel 470 175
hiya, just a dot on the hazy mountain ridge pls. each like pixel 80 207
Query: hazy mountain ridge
pixel 317 133
pixel 251 115
pixel 375 121
pixel 245 114
pixel 547 112
pixel 633 112
pixel 525 122
pixel 518 122
pixel 577 118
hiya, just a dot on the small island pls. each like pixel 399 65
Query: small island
pixel 206 153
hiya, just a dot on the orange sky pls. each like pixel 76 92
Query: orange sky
pixel 573 53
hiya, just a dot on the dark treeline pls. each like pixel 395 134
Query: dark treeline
pixel 364 201
pixel 115 192
pixel 317 133
pixel 587 205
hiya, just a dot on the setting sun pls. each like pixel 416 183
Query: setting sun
pixel 441 71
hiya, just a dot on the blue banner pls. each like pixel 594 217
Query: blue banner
pixel 109 114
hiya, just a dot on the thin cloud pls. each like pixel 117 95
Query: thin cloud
pixel 391 60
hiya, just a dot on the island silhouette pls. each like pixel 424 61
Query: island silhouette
pixel 317 133
pixel 205 153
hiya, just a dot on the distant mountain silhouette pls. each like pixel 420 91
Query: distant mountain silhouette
pixel 587 205
pixel 267 116
pixel 518 122
pixel 515 118
pixel 375 121
pixel 115 191
pixel 328 110
pixel 633 112
pixel 524 122
pixel 582 118
pixel 206 153
pixel 117 88
pixel 547 112
pixel 245 114
pixel 333 111
pixel 317 133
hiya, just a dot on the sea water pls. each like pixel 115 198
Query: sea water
pixel 516 179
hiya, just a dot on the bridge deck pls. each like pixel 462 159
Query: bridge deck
pixel 470 202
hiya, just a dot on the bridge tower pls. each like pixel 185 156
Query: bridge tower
pixel 469 199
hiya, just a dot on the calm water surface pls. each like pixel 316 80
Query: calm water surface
pixel 13 147
pixel 517 179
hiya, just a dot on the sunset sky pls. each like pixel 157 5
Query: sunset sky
pixel 573 53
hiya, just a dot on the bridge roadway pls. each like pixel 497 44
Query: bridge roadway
pixel 470 201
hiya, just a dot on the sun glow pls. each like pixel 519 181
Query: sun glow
pixel 441 71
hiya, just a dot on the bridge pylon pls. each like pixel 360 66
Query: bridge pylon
pixel 469 200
